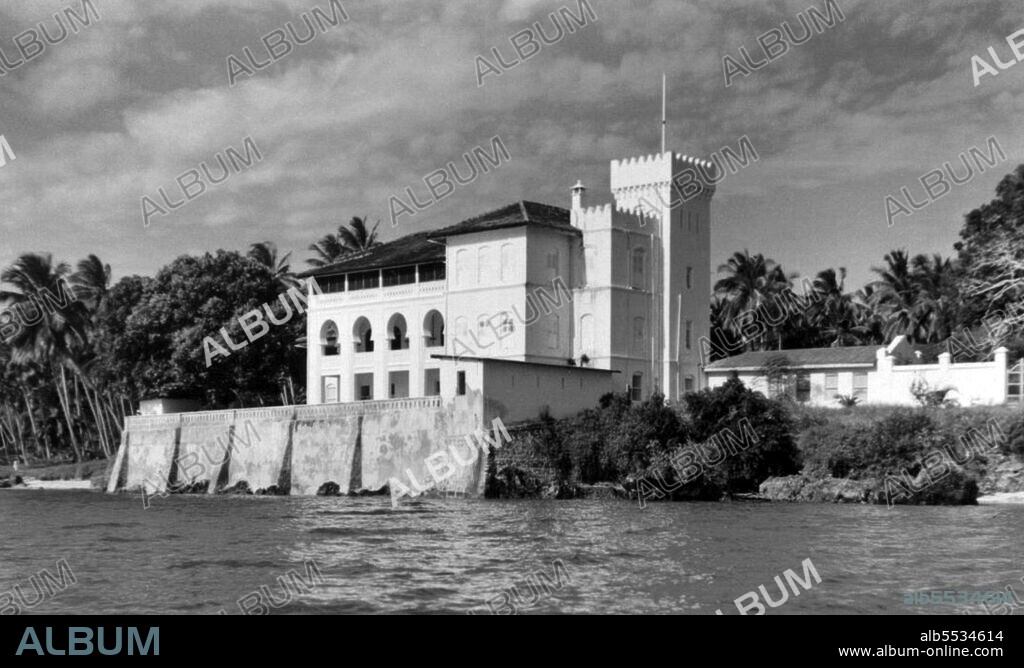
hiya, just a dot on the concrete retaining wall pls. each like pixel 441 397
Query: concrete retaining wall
pixel 296 449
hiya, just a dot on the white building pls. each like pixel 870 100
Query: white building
pixel 872 374
pixel 531 307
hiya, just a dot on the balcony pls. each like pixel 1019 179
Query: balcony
pixel 375 295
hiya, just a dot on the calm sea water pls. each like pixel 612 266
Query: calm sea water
pixel 198 555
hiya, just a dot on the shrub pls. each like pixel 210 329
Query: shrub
pixel 637 434
pixel 712 411
pixel 834 449
pixel 847 400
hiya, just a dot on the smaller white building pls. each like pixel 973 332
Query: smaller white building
pixel 874 375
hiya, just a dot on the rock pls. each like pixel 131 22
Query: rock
pixel 384 490
pixel 329 488
pixel 241 487
pixel 1002 475
pixel 273 490
pixel 785 488
pixel 198 487
pixel 601 490
pixel 821 490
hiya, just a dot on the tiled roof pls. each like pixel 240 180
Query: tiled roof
pixel 513 215
pixel 410 249
pixel 801 357
pixel 429 246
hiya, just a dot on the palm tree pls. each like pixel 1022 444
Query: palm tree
pixel 92 282
pixel 836 312
pixel 750 282
pixel 48 335
pixel 333 247
pixel 895 295
pixel 265 253
pixel 938 300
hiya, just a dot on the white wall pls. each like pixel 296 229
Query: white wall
pixel 973 384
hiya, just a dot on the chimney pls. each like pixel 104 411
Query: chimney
pixel 578 200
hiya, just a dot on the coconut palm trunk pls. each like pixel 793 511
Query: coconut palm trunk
pixel 65 402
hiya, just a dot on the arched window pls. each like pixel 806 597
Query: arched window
pixel 507 260
pixel 433 329
pixel 329 339
pixel 462 267
pixel 398 332
pixel 362 335
pixel 639 269
pixel 484 265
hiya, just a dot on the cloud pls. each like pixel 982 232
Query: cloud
pixel 370 107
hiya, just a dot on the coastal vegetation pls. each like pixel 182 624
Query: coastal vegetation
pixel 739 439
pixel 70 375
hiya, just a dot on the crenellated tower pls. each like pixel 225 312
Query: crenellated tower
pixel 648 271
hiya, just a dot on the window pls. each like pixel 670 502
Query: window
pixel 483 265
pixel 432 272
pixel 433 329
pixel 688 384
pixel 1014 378
pixel 638 335
pixel 860 384
pixel 689 278
pixel 507 258
pixel 330 389
pixel 803 387
pixel 553 326
pixel 831 382
pixel 364 280
pixel 362 336
pixel 462 267
pixel 329 339
pixel 639 281
pixel 400 276
pixel 399 384
pixel 397 332
pixel 553 260
pixel 364 386
pixel 329 284
pixel 689 334
pixel 431 382
pixel 636 389
pixel 461 388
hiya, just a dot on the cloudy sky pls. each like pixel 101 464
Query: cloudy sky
pixel 368 108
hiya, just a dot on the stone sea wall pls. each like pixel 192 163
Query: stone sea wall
pixel 298 449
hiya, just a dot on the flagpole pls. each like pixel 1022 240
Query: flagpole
pixel 664 121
